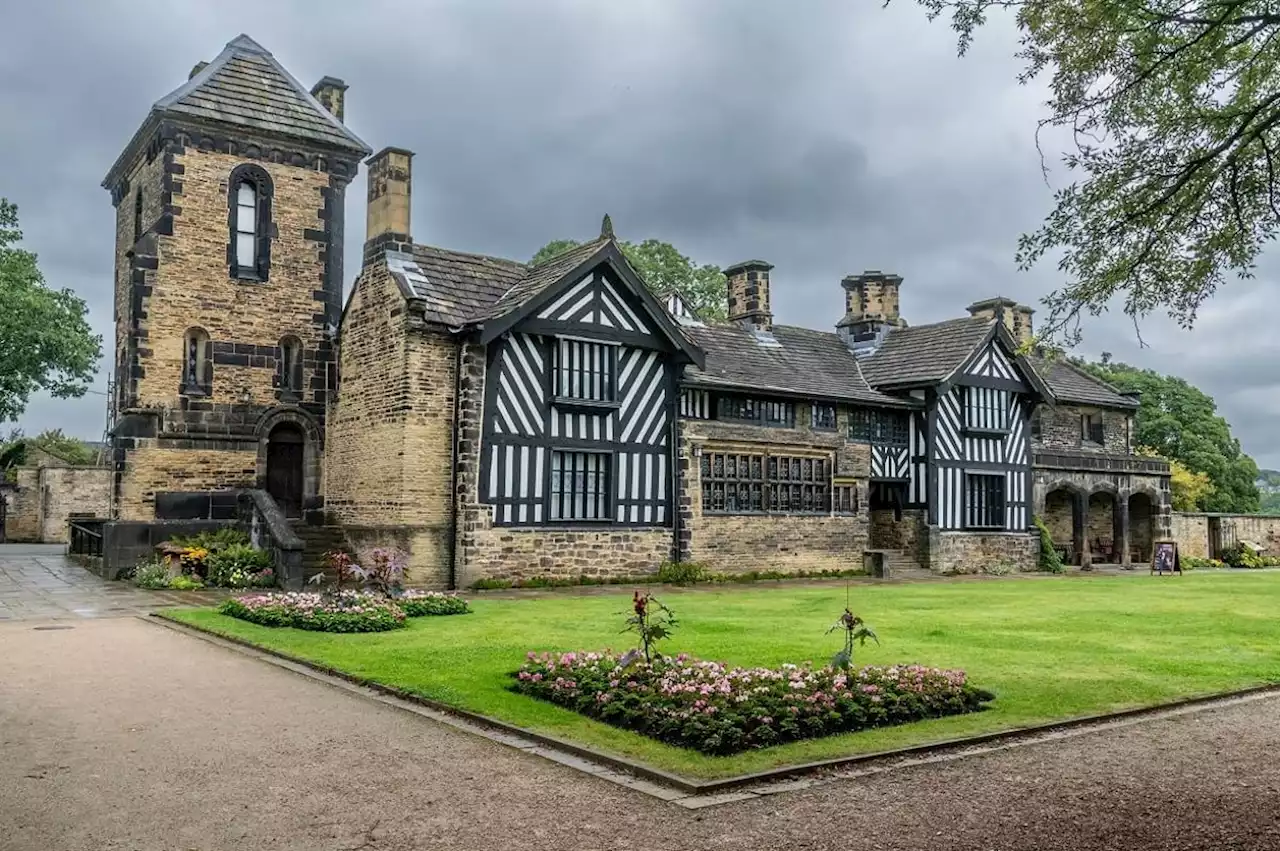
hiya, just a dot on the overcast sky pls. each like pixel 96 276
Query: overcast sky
pixel 824 136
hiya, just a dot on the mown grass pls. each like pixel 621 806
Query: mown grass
pixel 1051 649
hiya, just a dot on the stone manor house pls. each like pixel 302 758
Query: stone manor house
pixel 498 419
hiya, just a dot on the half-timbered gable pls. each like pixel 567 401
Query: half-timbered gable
pixel 578 423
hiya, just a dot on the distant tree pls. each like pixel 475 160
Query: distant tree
pixel 664 270
pixel 1188 490
pixel 45 339
pixel 1173 116
pixel 15 450
pixel 1181 423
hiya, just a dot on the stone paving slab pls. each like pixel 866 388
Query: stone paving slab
pixel 39 582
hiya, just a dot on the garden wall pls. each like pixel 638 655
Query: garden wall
pixel 970 552
pixel 522 554
pixel 1192 532
pixel 46 497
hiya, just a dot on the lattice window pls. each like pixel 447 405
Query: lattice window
pixel 823 417
pixel 844 499
pixel 580 486
pixel 249 191
pixel 585 371
pixel 986 408
pixel 984 501
pixel 736 483
pixel 745 409
pixel 885 427
pixel 1091 429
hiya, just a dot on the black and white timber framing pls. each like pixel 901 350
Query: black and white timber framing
pixel 579 410
pixel 979 443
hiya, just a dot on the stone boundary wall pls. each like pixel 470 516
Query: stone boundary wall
pixel 785 543
pixel 502 552
pixel 46 497
pixel 1192 531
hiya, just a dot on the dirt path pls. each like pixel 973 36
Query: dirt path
pixel 118 734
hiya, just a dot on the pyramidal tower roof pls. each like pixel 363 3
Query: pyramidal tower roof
pixel 246 86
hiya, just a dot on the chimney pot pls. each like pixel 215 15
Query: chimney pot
pixel 332 94
pixel 871 306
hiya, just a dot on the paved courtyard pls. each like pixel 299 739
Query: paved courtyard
pixel 38 582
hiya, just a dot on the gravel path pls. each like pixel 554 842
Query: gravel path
pixel 118 734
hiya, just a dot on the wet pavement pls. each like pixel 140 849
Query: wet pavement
pixel 39 582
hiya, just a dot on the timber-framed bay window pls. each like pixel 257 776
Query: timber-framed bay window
pixel 986 409
pixel 984 501
pixel 585 373
pixel 580 487
pixel 874 426
pixel 765 483
pixel 249 192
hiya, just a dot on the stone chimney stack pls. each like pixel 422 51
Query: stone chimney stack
pixel 749 295
pixel 390 174
pixel 995 308
pixel 1022 330
pixel 871 307
pixel 332 94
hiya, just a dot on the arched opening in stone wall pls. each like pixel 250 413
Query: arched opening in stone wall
pixel 1142 519
pixel 285 481
pixel 1059 517
pixel 1104 539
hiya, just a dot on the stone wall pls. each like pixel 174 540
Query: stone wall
pixel 45 498
pixel 1060 428
pixel 153 467
pixel 84 491
pixel 1194 532
pixel 971 552
pixel 505 553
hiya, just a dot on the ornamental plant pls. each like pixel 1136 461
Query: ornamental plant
pixel 344 569
pixel 651 621
pixel 855 630
pixel 417 603
pixel 715 709
pixel 341 611
pixel 385 570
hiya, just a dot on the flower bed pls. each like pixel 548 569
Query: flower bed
pixel 719 710
pixel 345 611
pixel 415 603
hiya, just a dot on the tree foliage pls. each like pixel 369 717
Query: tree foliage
pixel 1187 490
pixel 1179 422
pixel 15 450
pixel 664 270
pixel 1173 111
pixel 45 339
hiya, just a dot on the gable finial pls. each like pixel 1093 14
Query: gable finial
pixel 606 227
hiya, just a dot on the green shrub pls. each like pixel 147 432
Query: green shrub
pixel 1050 561
pixel 151 574
pixel 213 540
pixel 1197 563
pixel 239 566
pixel 185 583
pixel 1242 555
pixel 681 572
pixel 487 584
pixel 998 568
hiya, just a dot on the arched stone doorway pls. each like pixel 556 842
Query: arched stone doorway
pixel 1060 508
pixel 1142 522
pixel 286 445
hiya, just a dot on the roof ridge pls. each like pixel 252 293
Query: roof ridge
pixel 1086 374
pixel 598 241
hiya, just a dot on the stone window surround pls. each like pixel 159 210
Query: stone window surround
pixel 264 190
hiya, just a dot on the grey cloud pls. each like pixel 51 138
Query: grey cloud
pixel 824 136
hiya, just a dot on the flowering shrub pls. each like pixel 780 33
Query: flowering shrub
pixel 415 603
pixel 344 611
pixel 240 566
pixel 715 709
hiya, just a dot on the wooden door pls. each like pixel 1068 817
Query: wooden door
pixel 284 469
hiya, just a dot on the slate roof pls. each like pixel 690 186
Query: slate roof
pixel 245 85
pixel 457 287
pixel 543 275
pixel 1072 384
pixel 804 362
pixel 925 353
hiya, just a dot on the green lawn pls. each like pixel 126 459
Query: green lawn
pixel 1051 649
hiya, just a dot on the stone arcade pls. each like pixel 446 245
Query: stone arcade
pixel 498 419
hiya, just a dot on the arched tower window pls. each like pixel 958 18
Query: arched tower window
pixel 289 367
pixel 249 194
pixel 197 363
pixel 137 216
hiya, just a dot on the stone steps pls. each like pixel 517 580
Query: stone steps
pixel 316 542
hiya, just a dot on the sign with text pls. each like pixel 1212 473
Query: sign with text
pixel 1164 557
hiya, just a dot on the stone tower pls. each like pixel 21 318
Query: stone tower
pixel 228 287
